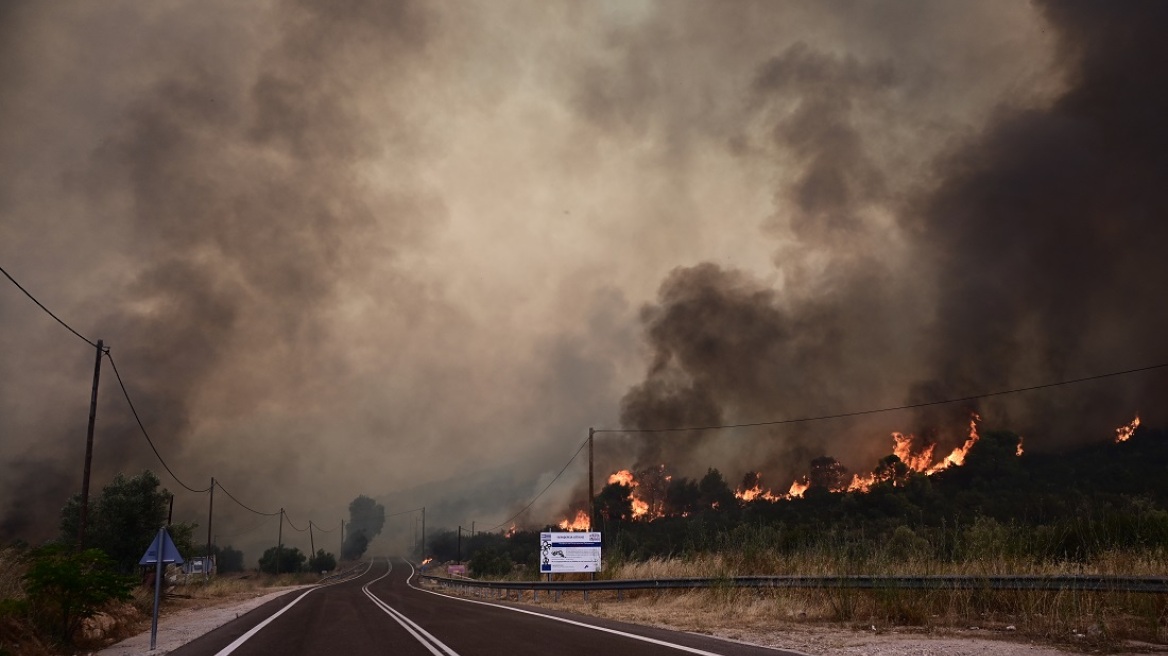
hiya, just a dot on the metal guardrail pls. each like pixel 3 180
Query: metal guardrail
pixel 1156 584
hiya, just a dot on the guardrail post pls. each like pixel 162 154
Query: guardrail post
pixel 557 595
pixel 535 595
pixel 618 595
pixel 585 595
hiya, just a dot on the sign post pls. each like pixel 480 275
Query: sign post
pixel 569 552
pixel 160 552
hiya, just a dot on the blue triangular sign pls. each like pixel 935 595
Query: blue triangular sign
pixel 170 552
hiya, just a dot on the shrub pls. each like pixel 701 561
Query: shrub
pixel 64 588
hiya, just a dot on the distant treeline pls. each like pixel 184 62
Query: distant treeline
pixel 1071 506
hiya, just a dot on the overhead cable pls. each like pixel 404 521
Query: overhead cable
pixel 545 489
pixel 857 413
pixel 244 505
pixel 143 428
pixel 47 311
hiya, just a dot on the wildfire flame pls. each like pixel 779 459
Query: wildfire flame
pixel 755 491
pixel 919 459
pixel 580 523
pixel 1124 433
pixel 426 561
pixel 798 487
pixel 511 531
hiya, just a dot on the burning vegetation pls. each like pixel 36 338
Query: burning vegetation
pixel 654 493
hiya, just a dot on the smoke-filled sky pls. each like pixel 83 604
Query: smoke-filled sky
pixel 415 250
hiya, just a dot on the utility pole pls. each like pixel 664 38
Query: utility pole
pixel 423 532
pixel 89 447
pixel 342 552
pixel 170 513
pixel 210 514
pixel 311 542
pixel 279 541
pixel 472 530
pixel 460 544
pixel 591 487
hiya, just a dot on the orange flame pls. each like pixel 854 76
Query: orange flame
pixel 957 458
pixel 1124 433
pixel 426 561
pixel 755 492
pixel 1019 451
pixel 511 531
pixel 580 523
pixel 798 488
pixel 624 477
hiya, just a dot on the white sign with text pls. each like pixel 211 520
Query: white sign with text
pixel 569 552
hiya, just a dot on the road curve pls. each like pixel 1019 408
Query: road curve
pixel 376 610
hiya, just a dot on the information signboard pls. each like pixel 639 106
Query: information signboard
pixel 569 552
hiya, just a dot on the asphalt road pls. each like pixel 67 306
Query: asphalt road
pixel 377 610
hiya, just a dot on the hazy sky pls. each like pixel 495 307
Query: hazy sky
pixel 416 250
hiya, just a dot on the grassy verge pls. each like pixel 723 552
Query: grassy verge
pixel 1081 620
pixel 21 633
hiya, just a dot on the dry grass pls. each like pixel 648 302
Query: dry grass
pixel 1083 620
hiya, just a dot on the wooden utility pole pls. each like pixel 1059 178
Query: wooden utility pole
pixel 89 447
pixel 210 514
pixel 311 542
pixel 279 541
pixel 591 487
pixel 342 552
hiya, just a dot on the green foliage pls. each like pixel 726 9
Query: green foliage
pixel 65 587
pixel 490 562
pixel 322 562
pixel 124 518
pixel 290 560
pixel 227 559
pixel 366 519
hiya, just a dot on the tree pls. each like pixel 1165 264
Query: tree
pixel 828 474
pixel 227 559
pixel 366 518
pixel 614 503
pixel 65 587
pixel 714 492
pixel 322 562
pixel 291 560
pixel 489 562
pixel 681 497
pixel 124 519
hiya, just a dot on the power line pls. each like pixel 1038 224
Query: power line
pixel 146 434
pixel 545 489
pixel 263 521
pixel 244 505
pixel 133 410
pixel 289 519
pixel 404 512
pixel 857 413
pixel 322 530
pixel 47 311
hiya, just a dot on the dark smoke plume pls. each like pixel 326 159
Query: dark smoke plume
pixel 1035 257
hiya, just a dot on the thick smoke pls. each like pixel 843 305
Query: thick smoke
pixel 397 249
pixel 1033 257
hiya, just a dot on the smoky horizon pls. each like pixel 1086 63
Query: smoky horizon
pixel 415 250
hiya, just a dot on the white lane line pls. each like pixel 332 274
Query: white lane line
pixel 603 629
pixel 434 645
pixel 256 629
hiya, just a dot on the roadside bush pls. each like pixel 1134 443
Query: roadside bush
pixel 64 588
